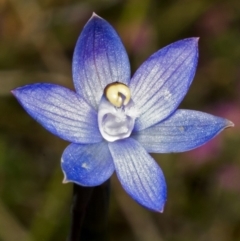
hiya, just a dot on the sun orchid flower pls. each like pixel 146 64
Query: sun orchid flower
pixel 113 121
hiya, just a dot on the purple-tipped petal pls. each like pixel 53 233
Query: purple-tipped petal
pixel 139 174
pixel 183 131
pixel 162 81
pixel 87 165
pixel 60 111
pixel 99 59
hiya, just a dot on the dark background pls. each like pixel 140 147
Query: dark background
pixel 37 39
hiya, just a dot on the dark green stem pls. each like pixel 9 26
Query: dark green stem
pixel 90 213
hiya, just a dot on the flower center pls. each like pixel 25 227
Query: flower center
pixel 116 112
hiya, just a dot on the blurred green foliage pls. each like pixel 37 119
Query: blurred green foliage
pixel 37 39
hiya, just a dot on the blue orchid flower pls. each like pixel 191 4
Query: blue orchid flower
pixel 113 121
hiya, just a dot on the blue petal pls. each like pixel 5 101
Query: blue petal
pixel 162 81
pixel 99 59
pixel 60 111
pixel 139 174
pixel 87 165
pixel 183 131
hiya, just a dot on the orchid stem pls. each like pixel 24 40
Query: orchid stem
pixel 90 213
